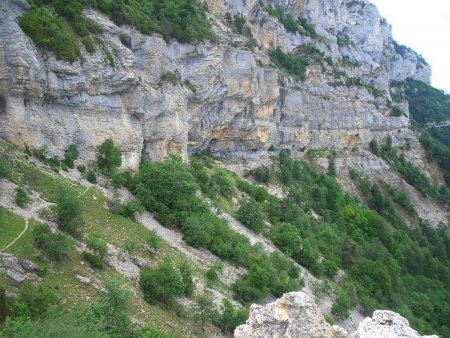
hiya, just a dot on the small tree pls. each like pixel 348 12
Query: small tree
pixel 112 307
pixel 186 276
pixel 109 157
pixel 230 317
pixel 374 147
pixel 341 305
pixel 204 309
pixel 38 299
pixel 97 250
pixel 70 156
pixel 261 174
pixel 68 210
pixel 153 240
pixel 55 246
pixel 117 180
pixel 213 273
pixel 250 214
pixel 22 198
pixel 225 183
pixel 332 166
pixel 163 284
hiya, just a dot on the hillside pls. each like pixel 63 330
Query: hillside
pixel 166 164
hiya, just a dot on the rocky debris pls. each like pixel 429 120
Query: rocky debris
pixel 18 270
pixel 122 262
pixel 295 315
pixel 27 265
pixel 82 279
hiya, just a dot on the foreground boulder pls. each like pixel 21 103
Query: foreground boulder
pixel 296 315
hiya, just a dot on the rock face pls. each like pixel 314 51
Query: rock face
pixel 18 270
pixel 293 315
pixel 386 324
pixel 296 315
pixel 229 100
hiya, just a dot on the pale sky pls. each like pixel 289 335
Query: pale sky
pixel 425 27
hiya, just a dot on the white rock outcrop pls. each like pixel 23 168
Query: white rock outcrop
pixel 295 315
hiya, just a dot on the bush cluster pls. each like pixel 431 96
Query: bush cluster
pixel 56 246
pixel 293 65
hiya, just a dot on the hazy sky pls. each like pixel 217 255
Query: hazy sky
pixel 425 27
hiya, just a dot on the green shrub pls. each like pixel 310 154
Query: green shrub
pixel 261 174
pixel 81 168
pixel 70 156
pixel 131 208
pixel 230 318
pixel 301 25
pixel 151 330
pixel 90 176
pixel 130 246
pixel 287 237
pixel 329 320
pixel 56 246
pixel 153 240
pixel 96 251
pixel 109 157
pixel 201 175
pixel 68 210
pixel 88 44
pixel 267 273
pixel 110 311
pixel 172 77
pixel 49 34
pixel 22 198
pixel 162 284
pixel 331 166
pixel 289 63
pixel 213 273
pixel 225 183
pixel 35 301
pixel 341 305
pixel 396 111
pixel 204 309
pixel 117 180
pixel 5 168
pixel 374 147
pixel 251 215
pixel 186 276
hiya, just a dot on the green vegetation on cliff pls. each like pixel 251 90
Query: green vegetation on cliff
pixel 56 26
pixel 428 105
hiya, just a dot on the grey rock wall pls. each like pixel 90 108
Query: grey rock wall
pixel 229 100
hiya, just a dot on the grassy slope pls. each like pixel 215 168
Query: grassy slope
pixel 11 226
pixel 115 229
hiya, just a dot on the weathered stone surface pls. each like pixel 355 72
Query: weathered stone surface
pixel 18 270
pixel 293 315
pixel 27 265
pixel 386 324
pixel 234 104
pixel 296 315
pixel 82 279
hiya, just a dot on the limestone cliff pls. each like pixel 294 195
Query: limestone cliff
pixel 228 99
pixel 296 315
